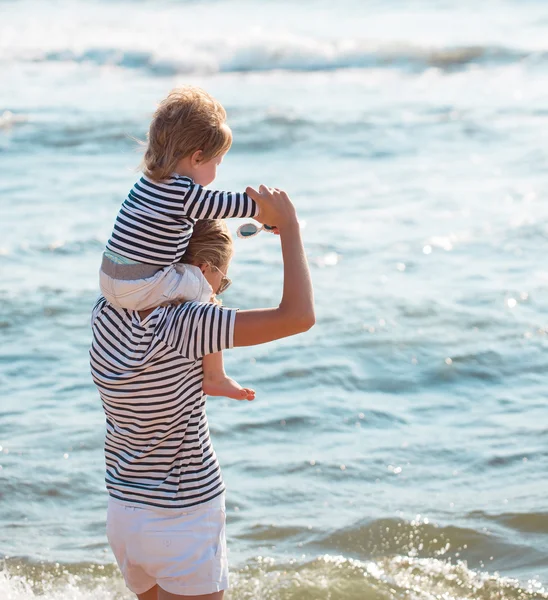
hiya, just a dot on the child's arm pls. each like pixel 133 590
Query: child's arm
pixel 200 203
pixel 217 383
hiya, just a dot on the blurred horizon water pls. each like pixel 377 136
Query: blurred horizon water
pixel 398 449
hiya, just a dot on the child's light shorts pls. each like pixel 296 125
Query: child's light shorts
pixel 137 286
pixel 183 551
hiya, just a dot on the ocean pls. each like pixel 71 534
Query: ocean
pixel 398 450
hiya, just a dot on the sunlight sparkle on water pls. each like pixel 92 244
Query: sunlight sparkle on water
pixel 444 242
pixel 328 260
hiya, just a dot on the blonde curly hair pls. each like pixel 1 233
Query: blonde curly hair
pixel 189 119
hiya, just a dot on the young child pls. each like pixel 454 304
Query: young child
pixel 187 140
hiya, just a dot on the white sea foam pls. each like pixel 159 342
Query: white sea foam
pixel 287 53
pixel 193 39
pixel 339 577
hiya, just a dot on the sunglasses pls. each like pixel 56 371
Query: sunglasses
pixel 225 281
pixel 248 230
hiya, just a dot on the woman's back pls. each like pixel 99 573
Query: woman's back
pixel 149 375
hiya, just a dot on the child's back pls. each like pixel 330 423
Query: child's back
pixel 187 140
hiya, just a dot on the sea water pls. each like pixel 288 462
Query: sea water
pixel 398 449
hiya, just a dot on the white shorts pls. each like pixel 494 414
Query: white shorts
pixel 183 551
pixel 173 283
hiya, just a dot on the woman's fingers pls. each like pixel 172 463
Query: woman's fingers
pixel 264 193
pixel 252 193
pixel 266 203
pixel 274 205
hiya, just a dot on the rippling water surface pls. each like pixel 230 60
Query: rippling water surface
pixel 398 449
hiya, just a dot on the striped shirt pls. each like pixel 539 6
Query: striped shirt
pixel 156 220
pixel 149 374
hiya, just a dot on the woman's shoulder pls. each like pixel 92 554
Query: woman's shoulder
pixel 99 306
pixel 192 329
pixel 104 308
pixel 194 318
pixel 168 313
pixel 192 310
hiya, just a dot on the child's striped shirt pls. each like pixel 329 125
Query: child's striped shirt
pixel 156 220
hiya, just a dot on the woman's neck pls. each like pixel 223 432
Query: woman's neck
pixel 143 314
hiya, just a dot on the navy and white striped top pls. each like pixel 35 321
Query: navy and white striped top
pixel 149 374
pixel 156 220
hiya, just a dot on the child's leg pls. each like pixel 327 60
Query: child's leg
pixel 217 383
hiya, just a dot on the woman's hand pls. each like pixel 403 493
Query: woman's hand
pixel 275 207
pixel 295 313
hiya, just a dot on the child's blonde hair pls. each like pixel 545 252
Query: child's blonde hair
pixel 189 119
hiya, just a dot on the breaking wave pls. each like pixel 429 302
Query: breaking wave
pixel 294 54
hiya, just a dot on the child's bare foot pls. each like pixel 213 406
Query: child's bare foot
pixel 228 388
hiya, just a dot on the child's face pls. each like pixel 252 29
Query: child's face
pixel 205 172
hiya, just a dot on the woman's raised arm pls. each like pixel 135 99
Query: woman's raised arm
pixel 295 313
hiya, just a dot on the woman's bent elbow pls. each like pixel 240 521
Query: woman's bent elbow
pixel 305 323
pixel 294 322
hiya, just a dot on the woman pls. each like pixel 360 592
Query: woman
pixel 166 513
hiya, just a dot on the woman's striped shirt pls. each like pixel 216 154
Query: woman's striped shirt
pixel 149 374
pixel 156 220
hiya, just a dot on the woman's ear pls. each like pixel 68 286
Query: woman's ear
pixel 203 267
pixel 197 158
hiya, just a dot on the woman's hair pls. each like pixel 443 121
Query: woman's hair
pixel 189 119
pixel 211 243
